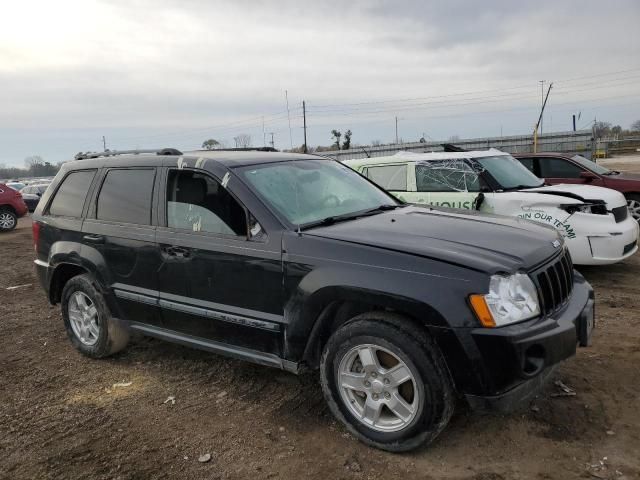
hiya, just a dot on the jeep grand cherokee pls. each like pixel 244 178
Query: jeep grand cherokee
pixel 295 261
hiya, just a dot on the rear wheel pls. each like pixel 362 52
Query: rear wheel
pixel 89 324
pixel 386 381
pixel 633 202
pixel 8 220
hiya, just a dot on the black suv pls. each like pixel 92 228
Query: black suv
pixel 295 261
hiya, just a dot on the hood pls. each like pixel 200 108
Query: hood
pixel 582 193
pixel 632 177
pixel 489 243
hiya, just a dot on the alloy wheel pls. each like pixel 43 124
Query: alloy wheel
pixel 634 209
pixel 83 317
pixel 378 388
pixel 7 221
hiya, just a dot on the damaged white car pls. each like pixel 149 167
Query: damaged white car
pixel 595 221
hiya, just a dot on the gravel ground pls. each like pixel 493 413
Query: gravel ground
pixel 62 417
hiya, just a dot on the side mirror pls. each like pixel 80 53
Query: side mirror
pixel 588 176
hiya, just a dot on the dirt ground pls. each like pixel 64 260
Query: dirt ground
pixel 62 417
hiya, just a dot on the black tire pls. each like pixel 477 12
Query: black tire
pixel 8 220
pixel 112 336
pixel 633 202
pixel 413 346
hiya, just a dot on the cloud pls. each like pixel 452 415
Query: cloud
pixel 150 71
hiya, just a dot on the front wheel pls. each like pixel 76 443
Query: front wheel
pixel 633 202
pixel 8 220
pixel 386 381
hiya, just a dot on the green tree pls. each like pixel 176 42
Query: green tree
pixel 346 144
pixel 210 144
pixel 336 134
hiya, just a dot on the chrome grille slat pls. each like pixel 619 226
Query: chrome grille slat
pixel 554 282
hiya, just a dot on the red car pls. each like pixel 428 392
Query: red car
pixel 566 168
pixel 12 207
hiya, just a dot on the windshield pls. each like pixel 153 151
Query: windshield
pixel 307 191
pixel 508 172
pixel 593 166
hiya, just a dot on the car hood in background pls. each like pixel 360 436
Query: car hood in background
pixel 582 193
pixel 489 243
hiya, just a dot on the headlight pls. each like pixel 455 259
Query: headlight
pixel 595 208
pixel 510 299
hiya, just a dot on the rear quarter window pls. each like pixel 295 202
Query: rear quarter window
pixel 70 196
pixel 389 177
pixel 126 196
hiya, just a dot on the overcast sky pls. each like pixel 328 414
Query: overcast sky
pixel 162 73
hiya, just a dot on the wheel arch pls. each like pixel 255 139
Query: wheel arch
pixel 8 206
pixel 331 307
pixel 62 273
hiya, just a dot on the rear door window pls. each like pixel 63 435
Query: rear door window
pixel 125 196
pixel 70 197
pixel 389 177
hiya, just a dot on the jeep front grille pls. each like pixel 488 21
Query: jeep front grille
pixel 554 283
pixel 620 213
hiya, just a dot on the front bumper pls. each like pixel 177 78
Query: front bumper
pixel 601 241
pixel 519 358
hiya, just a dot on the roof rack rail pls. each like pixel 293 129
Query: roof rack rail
pixel 241 149
pixel 113 153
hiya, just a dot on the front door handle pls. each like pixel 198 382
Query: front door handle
pixel 93 238
pixel 179 252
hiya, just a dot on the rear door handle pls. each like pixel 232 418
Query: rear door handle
pixel 93 238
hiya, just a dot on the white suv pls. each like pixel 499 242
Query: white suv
pixel 594 220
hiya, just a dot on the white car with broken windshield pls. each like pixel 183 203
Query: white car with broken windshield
pixel 595 221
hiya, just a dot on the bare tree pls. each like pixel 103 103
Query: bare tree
pixel 454 138
pixel 376 143
pixel 243 140
pixel 601 129
pixel 33 161
pixel 635 126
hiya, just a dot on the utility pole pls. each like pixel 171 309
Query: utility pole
pixel 264 138
pixel 396 129
pixel 304 123
pixel 286 96
pixel 272 144
pixel 535 130
pixel 541 101
pixel 104 144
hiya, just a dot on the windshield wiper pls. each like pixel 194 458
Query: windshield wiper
pixel 612 172
pixel 328 221
pixel 522 187
pixel 348 216
pixel 382 208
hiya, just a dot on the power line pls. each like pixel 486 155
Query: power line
pixel 519 87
